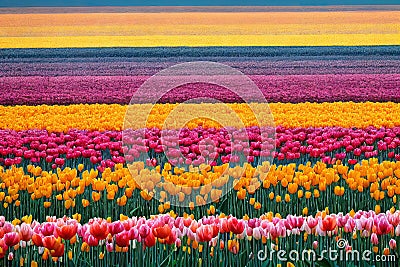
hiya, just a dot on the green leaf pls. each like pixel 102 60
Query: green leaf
pixel 223 206
pixel 323 263
pixel 265 263
pixel 133 211
pixel 166 261
pixel 303 264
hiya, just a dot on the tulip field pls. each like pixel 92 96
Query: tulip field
pixel 312 168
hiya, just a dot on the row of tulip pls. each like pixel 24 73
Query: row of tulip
pixel 249 60
pixel 103 117
pixel 183 21
pixel 198 145
pixel 156 239
pixel 144 190
pixel 119 89
pixel 269 65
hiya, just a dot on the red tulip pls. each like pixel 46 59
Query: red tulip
pixel 92 241
pixel 67 232
pixel 99 229
pixel 11 239
pixel 37 240
pixel 162 231
pixel 7 227
pixel 328 223
pixel 236 226
pixel 204 233
pixel 3 249
pixel 50 242
pixel 116 227
pixel 122 239
pixel 58 251
pixel 150 240
pixel 352 161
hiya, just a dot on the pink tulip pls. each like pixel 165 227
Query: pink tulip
pixel 11 239
pixel 374 239
pixel 92 241
pixel 178 243
pixel 59 161
pixel 48 229
pixel 383 226
pixel 257 233
pixel 392 244
pixel 110 247
pixel 26 232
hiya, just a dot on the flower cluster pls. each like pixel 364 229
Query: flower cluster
pixel 204 177
pixel 256 189
pixel 111 117
pixel 256 60
pixel 294 89
pixel 197 146
pixel 59 237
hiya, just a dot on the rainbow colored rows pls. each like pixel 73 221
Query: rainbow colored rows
pixel 75 192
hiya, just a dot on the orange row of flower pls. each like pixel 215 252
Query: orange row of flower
pixel 111 117
pixel 78 188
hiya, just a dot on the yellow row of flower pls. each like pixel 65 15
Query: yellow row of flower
pixel 257 28
pixel 150 22
pixel 199 29
pixel 380 180
pixel 111 117
pixel 200 40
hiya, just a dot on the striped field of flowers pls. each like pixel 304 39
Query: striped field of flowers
pixel 75 192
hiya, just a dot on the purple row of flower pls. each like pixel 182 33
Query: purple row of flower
pixel 250 60
pixel 199 145
pixel 119 89
pixel 250 67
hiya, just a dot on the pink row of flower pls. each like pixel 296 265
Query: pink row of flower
pixel 198 145
pixel 33 90
pixel 169 230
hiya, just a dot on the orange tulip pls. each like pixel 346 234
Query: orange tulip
pixel 241 194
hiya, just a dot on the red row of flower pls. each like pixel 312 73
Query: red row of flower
pixel 198 145
pixel 170 230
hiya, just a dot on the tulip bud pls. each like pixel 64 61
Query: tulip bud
pixel 392 244
pixel 109 247
pixel 374 239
